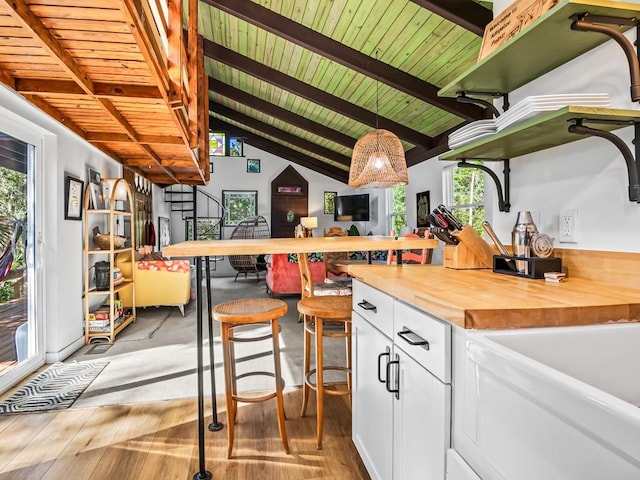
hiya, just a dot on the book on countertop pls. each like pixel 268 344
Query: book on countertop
pixel 554 276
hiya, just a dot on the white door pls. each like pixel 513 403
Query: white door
pixel 421 422
pixel 21 326
pixel 372 403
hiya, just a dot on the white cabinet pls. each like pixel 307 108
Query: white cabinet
pixel 402 391
pixel 372 404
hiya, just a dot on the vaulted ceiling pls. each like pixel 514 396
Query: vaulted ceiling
pixel 302 79
pixel 305 79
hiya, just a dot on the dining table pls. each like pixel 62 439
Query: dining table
pixel 202 250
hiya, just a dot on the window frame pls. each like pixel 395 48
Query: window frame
pixel 448 193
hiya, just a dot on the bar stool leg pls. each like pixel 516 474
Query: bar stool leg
pixel 307 365
pixel 228 381
pixel 319 382
pixel 278 376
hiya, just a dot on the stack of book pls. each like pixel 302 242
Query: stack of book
pixel 554 276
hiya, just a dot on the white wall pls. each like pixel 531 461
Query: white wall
pixel 62 240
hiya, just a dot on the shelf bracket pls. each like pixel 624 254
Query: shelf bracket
pixel 504 203
pixel 586 22
pixel 632 166
pixel 463 98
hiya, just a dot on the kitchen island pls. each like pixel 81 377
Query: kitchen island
pixel 555 400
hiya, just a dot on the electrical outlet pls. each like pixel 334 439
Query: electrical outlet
pixel 568 226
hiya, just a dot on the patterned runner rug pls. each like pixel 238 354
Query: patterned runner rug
pixel 56 388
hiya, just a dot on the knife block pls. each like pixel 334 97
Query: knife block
pixel 472 252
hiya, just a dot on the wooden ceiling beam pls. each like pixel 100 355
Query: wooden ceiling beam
pixel 21 12
pixel 280 150
pixel 281 113
pixel 279 134
pixel 139 15
pixel 99 137
pixel 325 46
pixel 69 88
pixel 466 13
pixel 315 95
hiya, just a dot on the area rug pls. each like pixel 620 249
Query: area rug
pixel 56 388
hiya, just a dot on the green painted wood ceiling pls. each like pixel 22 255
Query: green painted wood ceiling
pixel 304 79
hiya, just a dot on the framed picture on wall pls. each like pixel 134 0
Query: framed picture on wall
pixel 164 232
pixel 423 208
pixel 73 198
pixel 253 165
pixel 330 202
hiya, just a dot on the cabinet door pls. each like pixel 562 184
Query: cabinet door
pixel 372 404
pixel 421 422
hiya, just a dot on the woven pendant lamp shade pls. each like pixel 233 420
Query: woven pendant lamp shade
pixel 378 161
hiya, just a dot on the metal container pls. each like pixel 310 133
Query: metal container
pixel 523 231
pixel 102 275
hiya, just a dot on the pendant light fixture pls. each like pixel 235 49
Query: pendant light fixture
pixel 378 158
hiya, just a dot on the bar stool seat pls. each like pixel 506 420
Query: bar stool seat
pixel 318 312
pixel 232 316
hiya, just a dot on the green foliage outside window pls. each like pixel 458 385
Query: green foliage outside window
pixel 13 186
pixel 399 208
pixel 468 197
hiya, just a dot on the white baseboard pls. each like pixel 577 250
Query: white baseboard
pixel 52 357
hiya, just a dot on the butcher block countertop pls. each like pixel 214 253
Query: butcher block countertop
pixel 481 299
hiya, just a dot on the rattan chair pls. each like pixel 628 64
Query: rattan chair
pixel 251 227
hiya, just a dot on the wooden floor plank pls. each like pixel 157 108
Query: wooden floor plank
pixel 159 440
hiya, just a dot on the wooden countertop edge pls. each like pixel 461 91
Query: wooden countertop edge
pixel 503 318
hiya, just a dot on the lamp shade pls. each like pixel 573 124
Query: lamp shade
pixel 309 222
pixel 378 161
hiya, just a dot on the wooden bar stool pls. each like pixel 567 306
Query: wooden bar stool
pixel 317 311
pixel 237 313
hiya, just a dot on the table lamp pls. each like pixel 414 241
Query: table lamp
pixel 309 223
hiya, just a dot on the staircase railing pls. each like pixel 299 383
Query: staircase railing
pixel 193 202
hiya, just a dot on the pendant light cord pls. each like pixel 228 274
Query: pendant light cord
pixel 377 84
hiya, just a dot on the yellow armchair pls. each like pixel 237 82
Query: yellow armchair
pixel 157 283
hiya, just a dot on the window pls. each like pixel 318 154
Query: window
pixel 238 205
pixel 217 141
pixel 397 207
pixel 464 195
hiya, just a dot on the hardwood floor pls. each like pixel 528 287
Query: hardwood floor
pixel 159 441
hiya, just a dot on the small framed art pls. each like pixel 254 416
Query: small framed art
pixel 253 165
pixel 73 198
pixel 330 202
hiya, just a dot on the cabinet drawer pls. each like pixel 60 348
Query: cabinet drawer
pixel 417 327
pixel 374 306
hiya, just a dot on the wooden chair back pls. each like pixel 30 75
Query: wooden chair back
pixel 306 280
pixel 425 256
pixel 331 258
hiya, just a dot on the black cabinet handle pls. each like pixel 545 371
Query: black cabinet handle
pixel 395 390
pixel 368 306
pixel 412 338
pixel 383 354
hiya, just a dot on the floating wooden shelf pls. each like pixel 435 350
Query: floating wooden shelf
pixel 539 133
pixel 544 45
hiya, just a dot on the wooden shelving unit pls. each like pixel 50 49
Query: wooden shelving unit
pixel 542 46
pixel 92 253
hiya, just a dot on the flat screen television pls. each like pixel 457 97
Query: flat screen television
pixel 351 208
